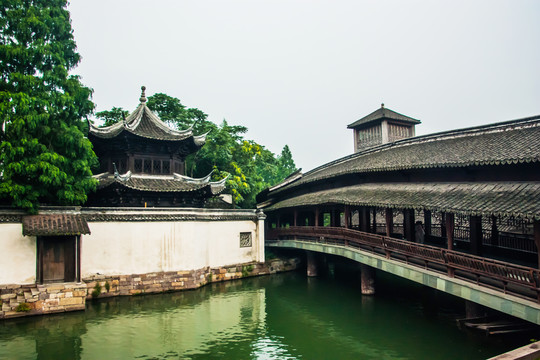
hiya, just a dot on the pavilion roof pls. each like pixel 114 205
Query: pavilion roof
pixel 510 142
pixel 381 114
pixel 144 123
pixel 520 199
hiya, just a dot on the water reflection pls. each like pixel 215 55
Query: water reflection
pixel 280 317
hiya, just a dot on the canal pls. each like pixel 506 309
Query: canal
pixel 283 316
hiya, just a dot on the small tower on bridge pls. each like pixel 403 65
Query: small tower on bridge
pixel 380 127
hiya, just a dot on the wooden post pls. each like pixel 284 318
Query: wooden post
pixel 374 227
pixel 389 222
pixel 536 226
pixel 295 217
pixel 427 224
pixel 317 214
pixel 475 230
pixel 494 231
pixel 278 222
pixel 347 215
pixel 408 224
pixel 450 230
pixel 450 237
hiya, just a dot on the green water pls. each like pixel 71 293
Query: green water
pixel 285 316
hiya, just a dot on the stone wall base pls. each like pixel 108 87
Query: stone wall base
pixel 26 300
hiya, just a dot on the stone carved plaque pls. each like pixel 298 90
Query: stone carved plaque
pixel 245 239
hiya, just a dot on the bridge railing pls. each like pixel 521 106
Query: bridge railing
pixel 510 278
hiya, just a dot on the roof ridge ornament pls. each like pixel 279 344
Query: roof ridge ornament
pixel 382 106
pixel 142 99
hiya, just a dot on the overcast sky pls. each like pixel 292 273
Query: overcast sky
pixel 298 72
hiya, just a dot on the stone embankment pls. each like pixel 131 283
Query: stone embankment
pixel 26 300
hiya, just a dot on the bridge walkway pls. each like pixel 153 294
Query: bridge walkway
pixel 507 287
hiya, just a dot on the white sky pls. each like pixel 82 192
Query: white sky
pixel 298 72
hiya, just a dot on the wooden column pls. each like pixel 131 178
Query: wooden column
pixel 374 224
pixel 443 224
pixel 317 215
pixel 494 231
pixel 475 230
pixel 367 279
pixel 295 217
pixel 450 230
pixel 389 222
pixel 408 224
pixel 450 237
pixel 427 224
pixel 278 222
pixel 536 227
pixel 347 215
pixel 312 263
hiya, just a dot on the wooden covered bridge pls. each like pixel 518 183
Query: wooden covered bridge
pixel 458 211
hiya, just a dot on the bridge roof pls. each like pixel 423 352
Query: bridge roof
pixel 511 142
pixel 520 199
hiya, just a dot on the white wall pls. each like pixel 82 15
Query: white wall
pixel 17 255
pixel 116 248
pixel 138 244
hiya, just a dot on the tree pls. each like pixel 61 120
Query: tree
pixel 112 116
pixel 44 155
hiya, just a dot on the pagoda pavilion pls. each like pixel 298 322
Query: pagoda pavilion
pixel 142 162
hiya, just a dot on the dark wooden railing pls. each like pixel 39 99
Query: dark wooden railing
pixel 510 278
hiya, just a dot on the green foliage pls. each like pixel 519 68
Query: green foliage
pixel 107 286
pixel 97 290
pixel 112 116
pixel 23 307
pixel 250 166
pixel 44 155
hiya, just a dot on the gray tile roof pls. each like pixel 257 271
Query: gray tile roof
pixel 161 183
pixel 510 142
pixel 144 123
pixel 383 113
pixel 520 199
pixel 54 224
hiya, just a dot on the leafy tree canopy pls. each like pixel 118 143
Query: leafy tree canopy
pixel 44 156
pixel 250 166
pixel 112 116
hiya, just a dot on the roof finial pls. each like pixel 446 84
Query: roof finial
pixel 382 106
pixel 143 96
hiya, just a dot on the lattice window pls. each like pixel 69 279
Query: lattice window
pixel 157 167
pixel 147 166
pixel 166 167
pixel 245 239
pixel 138 166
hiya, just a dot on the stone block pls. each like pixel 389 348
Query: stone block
pixel 34 291
pixel 6 307
pixel 20 298
pixel 177 284
pixel 8 296
pixel 115 283
pixel 137 279
pixel 70 301
pixel 79 293
pixel 135 292
pixel 68 294
pixel 75 307
pixel 55 288
pixel 51 302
